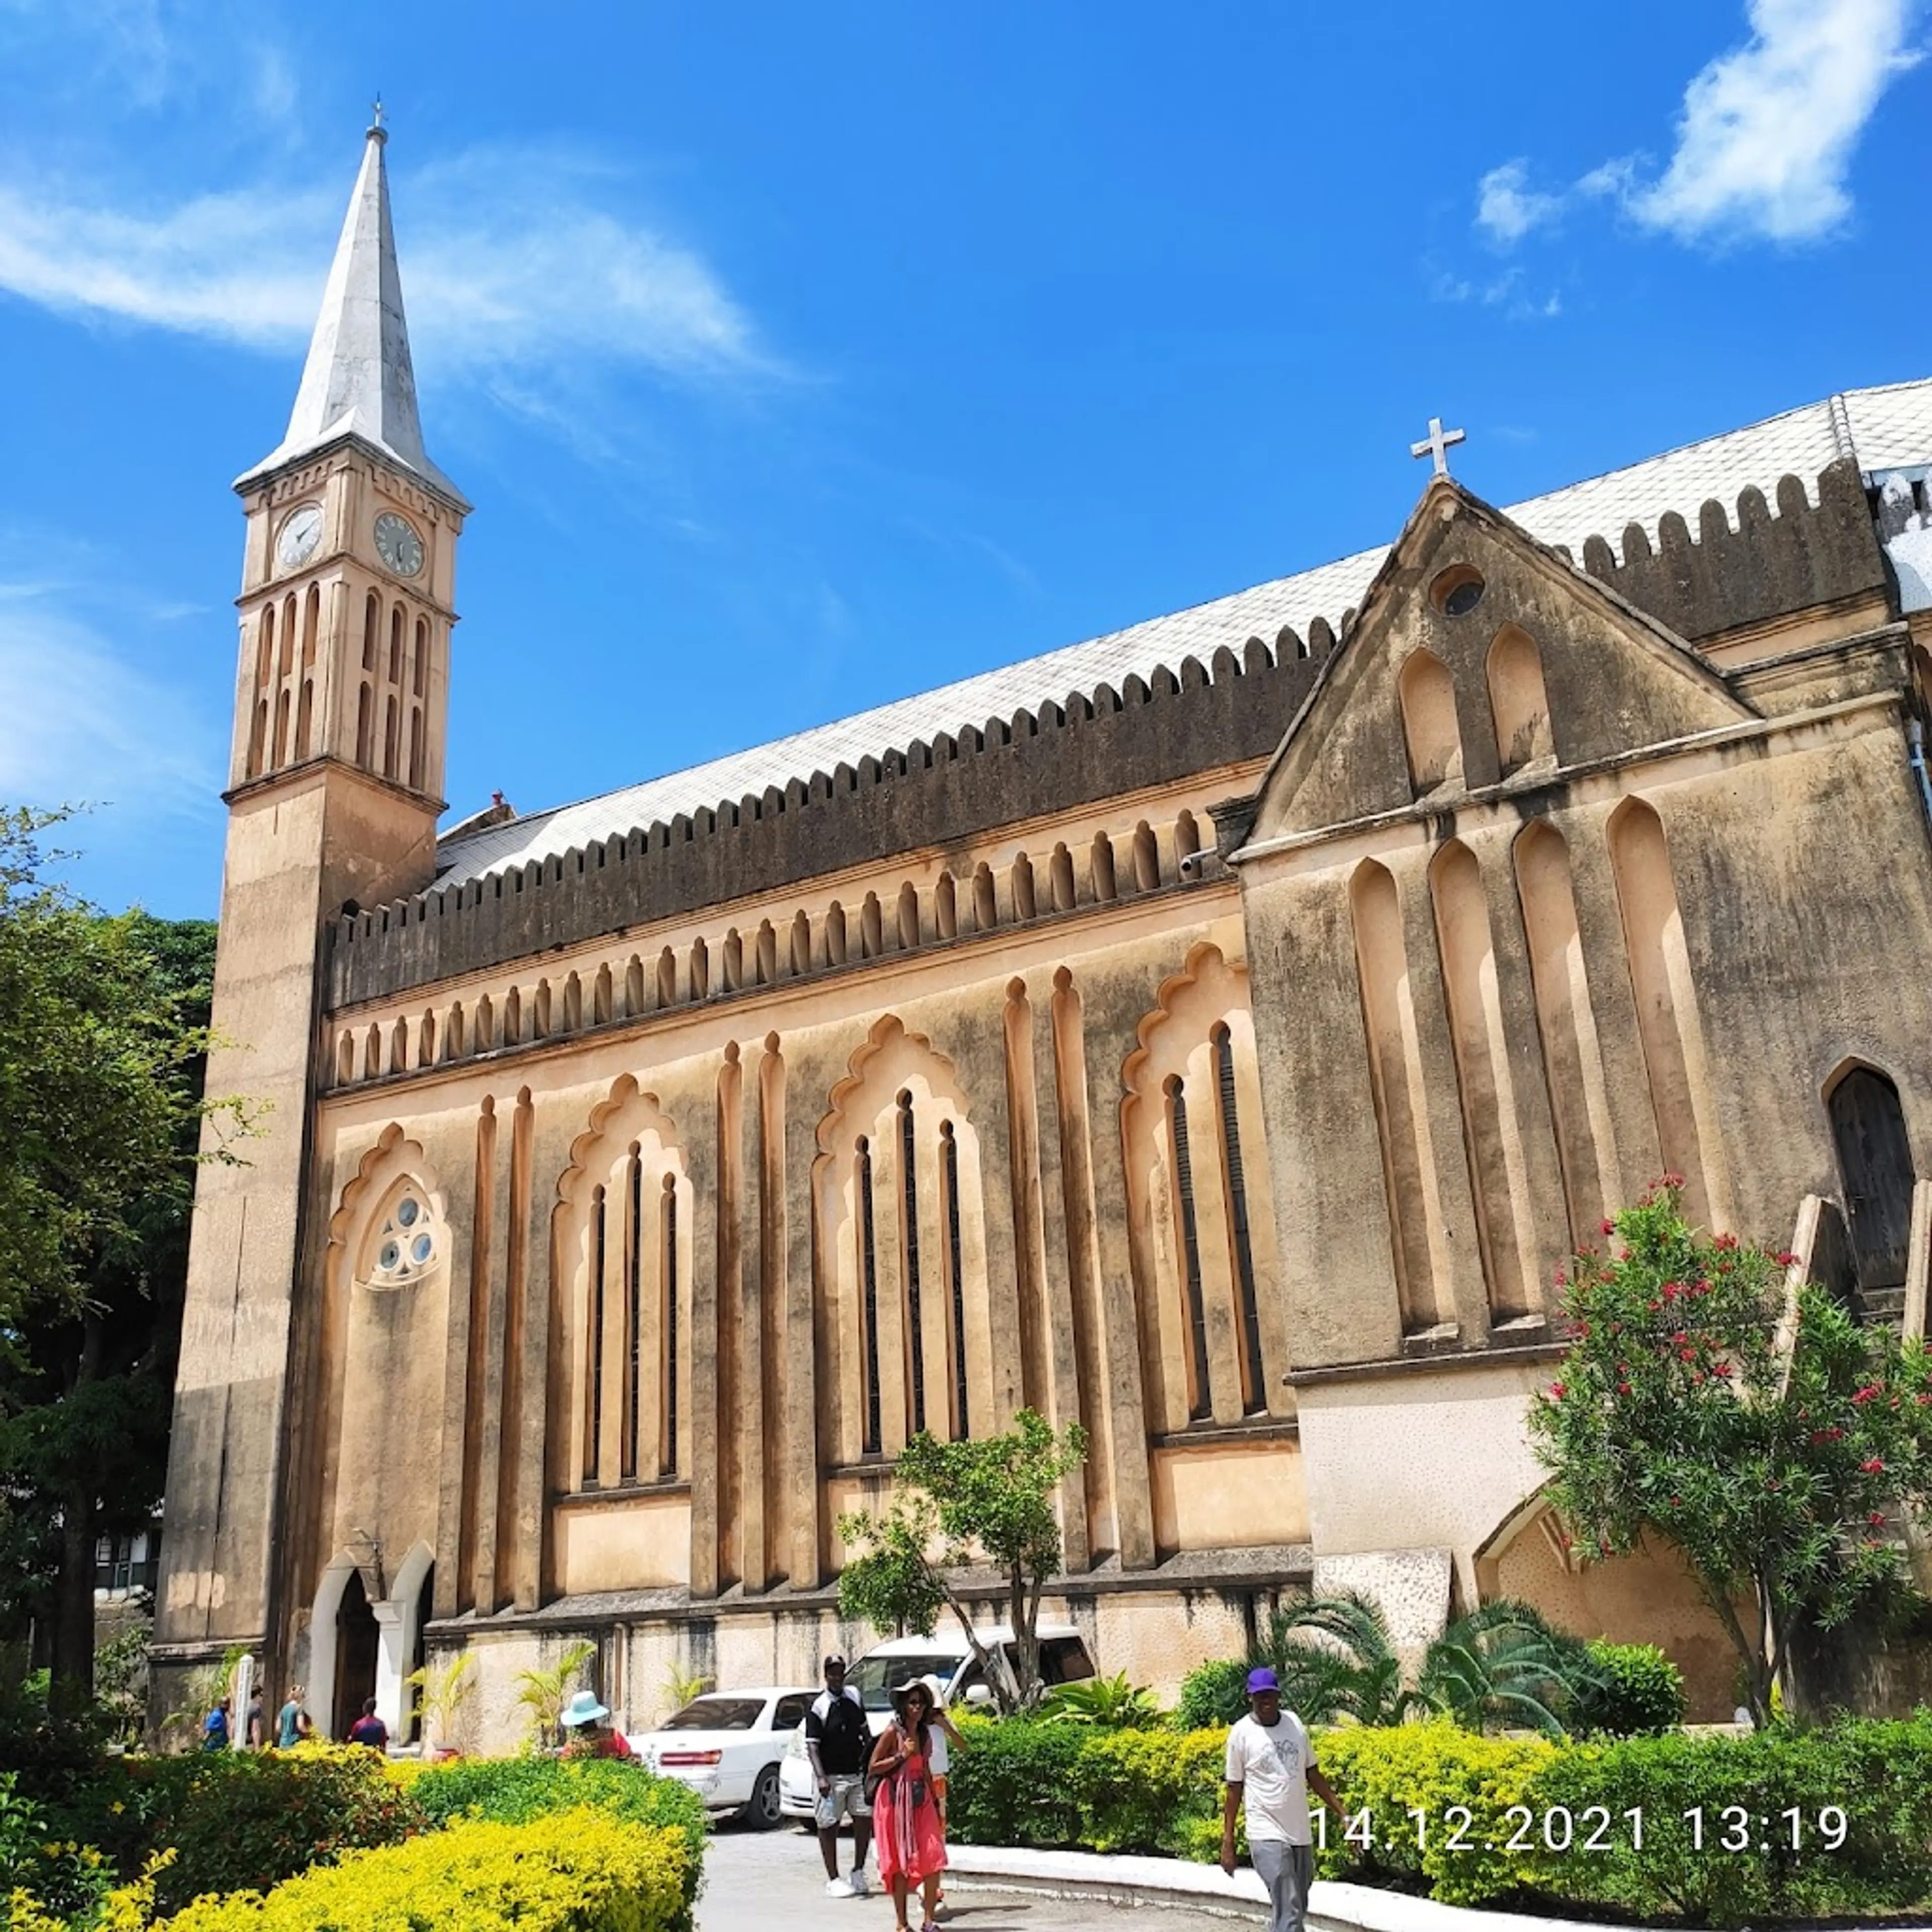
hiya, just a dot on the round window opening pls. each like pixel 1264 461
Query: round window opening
pixel 406 1244
pixel 1457 590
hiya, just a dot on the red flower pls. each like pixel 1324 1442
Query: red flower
pixel 1583 1327
pixel 1874 1466
pixel 1867 1393
pixel 1654 1306
pixel 1787 1259
pixel 1676 1502
pixel 1610 1227
pixel 1726 1242
pixel 1876 1517
pixel 1623 1388
pixel 1688 1355
pixel 1672 1181
pixel 1556 1389
pixel 1720 1368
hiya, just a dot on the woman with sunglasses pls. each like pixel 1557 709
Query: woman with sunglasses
pixel 907 1830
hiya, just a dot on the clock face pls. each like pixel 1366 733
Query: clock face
pixel 398 543
pixel 299 535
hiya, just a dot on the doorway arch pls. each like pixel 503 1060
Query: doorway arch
pixel 1875 1166
pixel 356 1639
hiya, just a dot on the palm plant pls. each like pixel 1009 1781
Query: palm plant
pixel 1336 1661
pixel 542 1693
pixel 1504 1667
pixel 681 1686
pixel 201 1688
pixel 440 1689
pixel 1105 1703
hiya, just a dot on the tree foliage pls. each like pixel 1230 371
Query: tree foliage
pixel 1775 1443
pixel 103 1044
pixel 961 1506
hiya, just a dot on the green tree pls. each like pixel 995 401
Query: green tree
pixel 961 1506
pixel 1775 1443
pixel 103 1043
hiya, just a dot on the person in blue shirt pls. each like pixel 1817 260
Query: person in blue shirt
pixel 214 1731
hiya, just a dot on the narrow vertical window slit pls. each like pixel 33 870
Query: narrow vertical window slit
pixel 1190 1242
pixel 1254 1396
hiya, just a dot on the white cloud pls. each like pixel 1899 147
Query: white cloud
pixel 1767 132
pixel 511 262
pixel 1764 141
pixel 1507 208
pixel 85 726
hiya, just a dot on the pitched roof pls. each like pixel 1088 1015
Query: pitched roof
pixel 359 381
pixel 1884 428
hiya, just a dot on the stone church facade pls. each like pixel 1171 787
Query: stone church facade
pixel 1218 1034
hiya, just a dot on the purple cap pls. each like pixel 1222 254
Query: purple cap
pixel 1260 1680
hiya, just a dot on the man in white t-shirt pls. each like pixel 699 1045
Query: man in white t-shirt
pixel 1271 1769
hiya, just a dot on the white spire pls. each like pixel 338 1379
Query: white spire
pixel 358 381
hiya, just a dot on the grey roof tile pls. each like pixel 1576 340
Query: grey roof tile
pixel 1889 427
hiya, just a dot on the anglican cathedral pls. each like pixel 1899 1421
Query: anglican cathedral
pixel 1218 1034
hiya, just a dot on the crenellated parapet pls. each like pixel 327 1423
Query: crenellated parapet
pixel 1752 564
pixel 1153 731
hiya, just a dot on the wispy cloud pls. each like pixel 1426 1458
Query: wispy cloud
pixel 1764 143
pixel 1766 139
pixel 501 280
pixel 98 729
pixel 1507 208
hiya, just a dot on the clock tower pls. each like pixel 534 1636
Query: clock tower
pixel 335 786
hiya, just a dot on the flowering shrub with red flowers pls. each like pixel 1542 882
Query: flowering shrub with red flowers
pixel 1778 1456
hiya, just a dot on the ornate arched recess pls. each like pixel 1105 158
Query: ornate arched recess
pixel 383 1340
pixel 899 1229
pixel 620 1395
pixel 392 1180
pixel 1200 1215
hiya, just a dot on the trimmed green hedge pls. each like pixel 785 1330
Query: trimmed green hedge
pixel 1062 1787
pixel 237 1820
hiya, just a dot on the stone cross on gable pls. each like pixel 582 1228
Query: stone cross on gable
pixel 1438 443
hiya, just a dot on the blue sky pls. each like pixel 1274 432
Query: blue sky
pixel 798 358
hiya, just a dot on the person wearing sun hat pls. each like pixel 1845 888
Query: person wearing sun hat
pixel 911 1842
pixel 1271 1769
pixel 592 1736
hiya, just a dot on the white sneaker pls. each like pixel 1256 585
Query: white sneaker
pixel 858 1888
pixel 837 1888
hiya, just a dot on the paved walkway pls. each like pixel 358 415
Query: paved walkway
pixel 763 1879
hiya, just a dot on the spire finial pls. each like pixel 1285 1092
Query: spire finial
pixel 377 132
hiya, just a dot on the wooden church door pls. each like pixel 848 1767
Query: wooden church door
pixel 356 1642
pixel 1875 1160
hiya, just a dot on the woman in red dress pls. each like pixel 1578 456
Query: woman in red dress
pixel 906 1828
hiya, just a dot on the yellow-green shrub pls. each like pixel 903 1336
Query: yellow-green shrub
pixel 1428 1768
pixel 573 1871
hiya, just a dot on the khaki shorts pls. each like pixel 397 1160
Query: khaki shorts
pixel 844 1796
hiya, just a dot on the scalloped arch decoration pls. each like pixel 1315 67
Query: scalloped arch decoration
pixel 882 1061
pixel 393 1164
pixel 625 1115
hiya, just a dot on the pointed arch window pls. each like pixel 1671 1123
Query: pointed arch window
pixel 948 1159
pixel 915 1327
pixel 405 1245
pixel 633 1309
pixel 1253 1390
pixel 593 1339
pixel 671 1363
pixel 1201 1402
pixel 868 1267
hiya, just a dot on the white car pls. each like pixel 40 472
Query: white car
pixel 727 1745
pixel 946 1657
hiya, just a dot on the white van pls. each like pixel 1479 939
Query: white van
pixel 945 1656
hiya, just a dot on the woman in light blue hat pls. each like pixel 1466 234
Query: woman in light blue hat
pixel 588 1721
